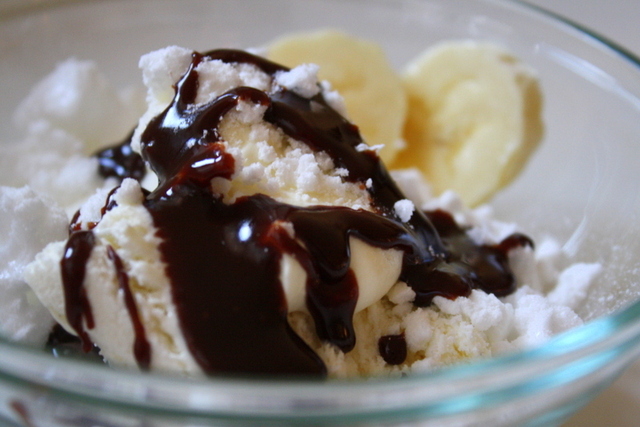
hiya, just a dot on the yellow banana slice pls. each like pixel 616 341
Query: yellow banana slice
pixel 374 98
pixel 474 117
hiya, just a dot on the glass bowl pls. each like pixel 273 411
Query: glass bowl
pixel 582 186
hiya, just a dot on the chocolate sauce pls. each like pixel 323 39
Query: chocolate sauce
pixel 468 265
pixel 61 343
pixel 76 224
pixel 232 312
pixel 223 261
pixel 393 349
pixel 73 268
pixel 78 306
pixel 141 347
pixel 120 161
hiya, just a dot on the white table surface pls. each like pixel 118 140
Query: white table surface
pixel 619 21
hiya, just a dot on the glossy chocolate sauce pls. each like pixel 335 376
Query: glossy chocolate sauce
pixel 77 305
pixel 73 268
pixel 141 347
pixel 468 265
pixel 120 161
pixel 223 261
pixel 393 349
pixel 61 343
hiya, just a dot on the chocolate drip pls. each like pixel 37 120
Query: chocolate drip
pixel 332 290
pixel 141 347
pixel 516 240
pixel 78 306
pixel 75 224
pixel 468 266
pixel 224 264
pixel 73 268
pixel 120 161
pixel 393 349
pixel 61 343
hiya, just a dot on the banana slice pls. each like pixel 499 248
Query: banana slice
pixel 359 71
pixel 474 118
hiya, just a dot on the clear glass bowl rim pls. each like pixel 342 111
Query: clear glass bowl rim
pixel 99 385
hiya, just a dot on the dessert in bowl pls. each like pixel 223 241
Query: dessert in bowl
pixel 557 194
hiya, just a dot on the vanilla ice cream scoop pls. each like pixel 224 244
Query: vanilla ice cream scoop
pixel 268 202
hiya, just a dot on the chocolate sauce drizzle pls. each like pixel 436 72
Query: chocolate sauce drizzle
pixel 468 265
pixel 141 347
pixel 63 344
pixel 73 268
pixel 212 264
pixel 120 161
pixel 78 307
pixel 223 260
